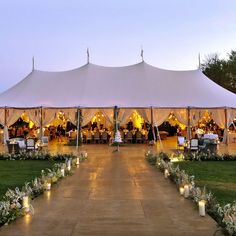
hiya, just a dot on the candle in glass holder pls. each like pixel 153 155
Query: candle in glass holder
pixel 181 191
pixel 63 172
pixel 69 165
pixel 77 161
pixel 201 205
pixel 166 173
pixel 48 186
pixel 186 191
pixel 25 203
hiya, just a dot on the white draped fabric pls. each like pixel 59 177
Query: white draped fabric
pixel 231 114
pixel 123 116
pixel 160 115
pixel 218 115
pixel 49 115
pixel 6 134
pixel 71 114
pixel 181 115
pixel 34 115
pixel 12 115
pixel 145 113
pixel 108 114
pixel 2 116
pixel 196 115
pixel 87 115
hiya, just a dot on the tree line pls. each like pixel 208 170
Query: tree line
pixel 221 71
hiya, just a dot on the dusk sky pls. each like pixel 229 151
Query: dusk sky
pixel 57 33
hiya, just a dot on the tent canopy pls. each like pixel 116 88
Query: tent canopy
pixel 138 85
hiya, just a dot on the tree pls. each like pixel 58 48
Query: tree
pixel 221 71
pixel 232 70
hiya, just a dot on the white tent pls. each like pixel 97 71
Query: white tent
pixel 139 85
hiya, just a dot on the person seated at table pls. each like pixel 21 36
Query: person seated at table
pixel 72 134
pixel 46 132
pixel 31 134
pixel 52 134
pixel 59 133
pixel 19 132
pixel 25 131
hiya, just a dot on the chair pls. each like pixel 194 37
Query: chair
pixel 194 144
pixel 139 138
pixel 129 137
pixel 30 144
pixel 202 144
pixel 104 137
pixel 208 145
pixel 88 137
pixel 45 140
pixel 181 142
pixel 97 137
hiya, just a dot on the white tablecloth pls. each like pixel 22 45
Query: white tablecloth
pixel 211 136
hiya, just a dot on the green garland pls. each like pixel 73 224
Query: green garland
pixel 36 156
pixel 225 216
pixel 11 207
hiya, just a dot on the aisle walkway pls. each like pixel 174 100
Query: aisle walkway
pixel 113 194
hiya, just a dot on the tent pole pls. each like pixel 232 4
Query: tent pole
pixel 158 133
pixel 78 128
pixel 115 118
pixel 188 127
pixel 226 126
pixel 41 122
pixel 152 124
pixel 5 126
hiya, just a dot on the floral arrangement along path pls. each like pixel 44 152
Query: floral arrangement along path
pixel 113 193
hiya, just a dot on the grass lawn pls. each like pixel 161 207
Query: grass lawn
pixel 217 176
pixel 16 173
